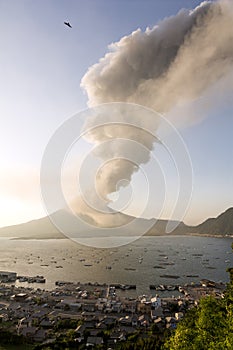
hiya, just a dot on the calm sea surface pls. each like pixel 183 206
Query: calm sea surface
pixel 142 262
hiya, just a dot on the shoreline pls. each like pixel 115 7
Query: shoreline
pixel 72 285
pixel 157 235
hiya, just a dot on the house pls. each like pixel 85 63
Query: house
pixel 40 313
pixel 182 305
pixel 134 320
pixel 108 307
pixel 90 316
pixel 101 326
pixel 144 320
pixel 129 306
pixel 20 297
pixel 69 304
pixel 116 307
pixel 90 323
pixel 4 305
pixel 28 332
pixel 127 329
pixel 69 315
pixel 145 299
pixel 144 307
pixel 46 323
pixel 93 332
pixel 129 320
pixel 37 317
pixel 170 319
pixel 155 302
pixel 23 322
pixel 159 322
pixel 108 321
pixel 88 307
pixel 155 313
pixel 75 306
pixel 126 320
pixel 40 335
pixel 79 331
pixel 100 304
pixel 92 341
pixel 4 317
pixel 117 335
pixel 179 316
pixel 170 322
pixel 166 312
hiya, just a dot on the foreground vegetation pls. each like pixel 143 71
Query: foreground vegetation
pixel 208 326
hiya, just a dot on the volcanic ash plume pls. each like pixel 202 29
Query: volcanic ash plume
pixel 175 61
pixel 171 64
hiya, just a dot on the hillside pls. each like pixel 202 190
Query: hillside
pixel 160 228
pixel 44 228
pixel 41 228
pixel 221 225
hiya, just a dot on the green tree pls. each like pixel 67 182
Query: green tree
pixel 207 327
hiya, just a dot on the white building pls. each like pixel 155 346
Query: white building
pixel 155 302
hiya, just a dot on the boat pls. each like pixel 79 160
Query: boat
pixel 158 267
pixel 171 288
pixel 161 287
pixel 193 276
pixel 169 276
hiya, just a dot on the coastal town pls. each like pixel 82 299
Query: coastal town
pixel 94 314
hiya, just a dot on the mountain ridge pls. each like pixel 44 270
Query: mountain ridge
pixel 43 228
pixel 221 225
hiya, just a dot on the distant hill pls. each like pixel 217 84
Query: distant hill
pixel 40 228
pixel 160 228
pixel 44 228
pixel 221 225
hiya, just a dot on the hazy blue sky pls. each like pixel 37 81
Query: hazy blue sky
pixel 41 65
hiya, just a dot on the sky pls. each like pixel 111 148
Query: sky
pixel 42 64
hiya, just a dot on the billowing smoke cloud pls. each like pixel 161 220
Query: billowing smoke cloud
pixel 175 62
pixel 122 130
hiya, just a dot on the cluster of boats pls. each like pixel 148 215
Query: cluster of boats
pixel 163 287
pixel 34 279
pixel 123 286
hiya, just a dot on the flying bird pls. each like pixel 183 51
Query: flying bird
pixel 68 24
